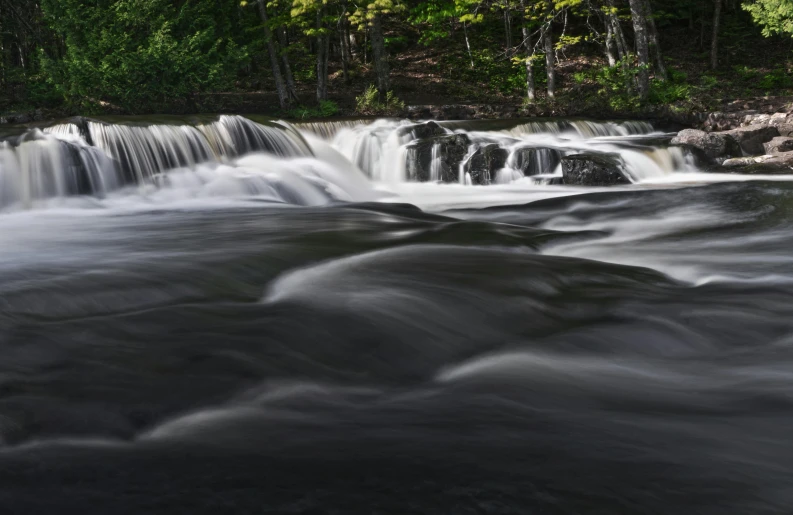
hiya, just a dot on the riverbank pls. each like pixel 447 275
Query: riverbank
pixel 729 115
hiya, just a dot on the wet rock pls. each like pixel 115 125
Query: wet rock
pixel 752 138
pixel 781 163
pixel 422 130
pixel 446 153
pixel 778 145
pixel 485 162
pixel 536 160
pixel 593 170
pixel 712 147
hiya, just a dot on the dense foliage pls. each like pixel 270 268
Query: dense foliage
pixel 161 55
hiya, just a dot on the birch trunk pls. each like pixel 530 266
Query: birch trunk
pixel 530 89
pixel 642 47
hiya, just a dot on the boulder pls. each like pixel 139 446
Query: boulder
pixel 485 162
pixel 778 145
pixel 711 146
pixel 781 163
pixel 446 152
pixel 422 130
pixel 536 160
pixel 593 170
pixel 752 138
pixel 785 129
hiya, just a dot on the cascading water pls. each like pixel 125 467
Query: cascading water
pixel 90 157
pixel 247 317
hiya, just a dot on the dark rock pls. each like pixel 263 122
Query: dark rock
pixel 713 147
pixel 485 162
pixel 785 129
pixel 778 145
pixel 751 138
pixel 536 160
pixel 593 170
pixel 422 130
pixel 449 150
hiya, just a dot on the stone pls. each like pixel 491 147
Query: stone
pixel 485 162
pixel 752 138
pixel 593 170
pixel 785 129
pixel 536 160
pixel 772 164
pixel 778 145
pixel 712 147
pixel 422 130
pixel 447 151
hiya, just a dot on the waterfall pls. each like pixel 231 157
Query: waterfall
pixel 398 150
pixel 40 166
pixel 310 163
pixel 90 157
pixel 327 130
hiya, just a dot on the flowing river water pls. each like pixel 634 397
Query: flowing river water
pixel 227 316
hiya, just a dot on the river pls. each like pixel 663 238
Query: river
pixel 227 316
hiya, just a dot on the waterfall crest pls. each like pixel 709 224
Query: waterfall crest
pixel 312 162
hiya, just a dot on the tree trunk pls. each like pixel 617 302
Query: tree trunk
pixel 659 60
pixel 642 50
pixel 380 56
pixel 550 68
pixel 344 51
pixel 283 95
pixel 612 58
pixel 714 42
pixel 290 80
pixel 468 45
pixel 530 90
pixel 322 56
pixel 508 32
pixel 345 63
pixel 616 29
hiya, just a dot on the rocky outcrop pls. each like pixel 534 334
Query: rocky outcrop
pixel 485 162
pixel 422 130
pixel 593 170
pixel 708 146
pixel 781 163
pixel 779 145
pixel 536 160
pixel 445 152
pixel 752 137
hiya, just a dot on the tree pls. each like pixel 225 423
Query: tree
pixel 714 43
pixel 272 50
pixel 528 60
pixel 371 16
pixel 139 53
pixel 775 16
pixel 642 50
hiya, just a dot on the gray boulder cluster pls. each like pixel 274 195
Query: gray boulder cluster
pixel 762 144
pixel 432 146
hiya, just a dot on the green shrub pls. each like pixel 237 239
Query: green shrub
pixel 325 109
pixel 617 83
pixel 369 103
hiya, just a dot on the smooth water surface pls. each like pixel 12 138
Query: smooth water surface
pixel 302 332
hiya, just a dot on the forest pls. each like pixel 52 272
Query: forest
pixel 314 58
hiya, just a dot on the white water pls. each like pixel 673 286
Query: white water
pixel 317 163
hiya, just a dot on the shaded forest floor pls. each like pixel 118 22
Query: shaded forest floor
pixel 441 74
